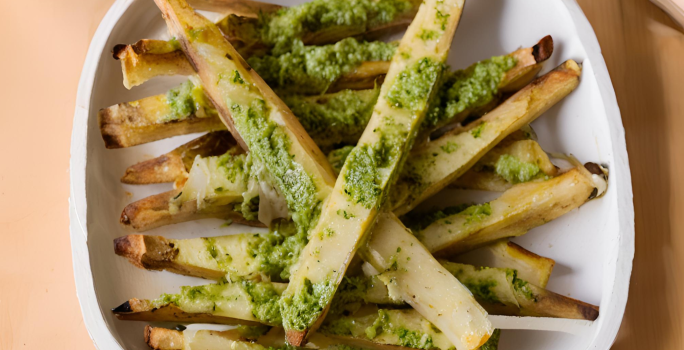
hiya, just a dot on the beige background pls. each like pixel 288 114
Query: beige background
pixel 44 46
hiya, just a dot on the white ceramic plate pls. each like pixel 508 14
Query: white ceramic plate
pixel 593 246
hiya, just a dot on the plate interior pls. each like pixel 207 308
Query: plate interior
pixel 582 242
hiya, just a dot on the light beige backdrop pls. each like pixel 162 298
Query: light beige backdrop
pixel 43 48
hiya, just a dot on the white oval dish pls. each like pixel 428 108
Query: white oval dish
pixel 593 246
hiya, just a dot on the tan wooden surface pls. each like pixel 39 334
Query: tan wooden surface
pixel 43 49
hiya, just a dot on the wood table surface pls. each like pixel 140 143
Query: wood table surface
pixel 44 47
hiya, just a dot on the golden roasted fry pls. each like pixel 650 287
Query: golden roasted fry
pixel 433 166
pixel 367 175
pixel 150 119
pixel 531 159
pixel 175 165
pixel 506 254
pixel 457 151
pixel 516 211
pixel 143 310
pixel 153 212
pixel 148 58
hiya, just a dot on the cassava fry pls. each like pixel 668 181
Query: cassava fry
pixel 175 165
pixel 457 151
pixel 516 211
pixel 369 172
pixel 453 154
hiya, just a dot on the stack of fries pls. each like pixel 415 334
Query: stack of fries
pixel 330 141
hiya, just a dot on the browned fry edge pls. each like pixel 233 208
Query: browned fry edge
pixel 153 211
pixel 140 310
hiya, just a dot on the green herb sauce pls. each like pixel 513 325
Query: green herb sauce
pixel 277 251
pixel 223 261
pixel 351 291
pixel 232 165
pixel 513 170
pixel 302 309
pixel 408 338
pixel 493 342
pixel 269 148
pixel 477 132
pixel 468 89
pixel 311 69
pixel 362 178
pixel 264 301
pixel 476 213
pixel 185 100
pixel 482 290
pixel 351 17
pixel 334 119
pixel 520 286
pixel 263 298
pixel 338 157
pixel 252 332
pixel 413 86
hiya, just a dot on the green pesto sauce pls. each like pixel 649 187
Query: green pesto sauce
pixel 311 69
pixel 407 338
pixel 252 332
pixel 483 290
pixel 476 213
pixel 173 42
pixel 351 291
pixel 281 28
pixel 233 165
pixel 412 87
pixel 249 207
pixel 378 325
pixel 419 221
pixel 338 157
pixel 450 147
pixel 185 100
pixel 493 342
pixel 301 310
pixel 477 132
pixel 335 119
pixel 264 301
pixel 269 149
pixel 468 89
pixel 516 171
pixel 223 261
pixel 521 286
pixel 338 326
pixel 414 339
pixel 264 298
pixel 364 182
pixel 362 178
pixel 278 250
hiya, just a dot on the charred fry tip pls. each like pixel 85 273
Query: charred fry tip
pixel 593 168
pixel 543 49
pixel 118 50
pixel 589 312
pixel 596 169
pixel 123 246
pixel 111 141
pixel 296 338
pixel 124 219
pixel 148 333
pixel 125 307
